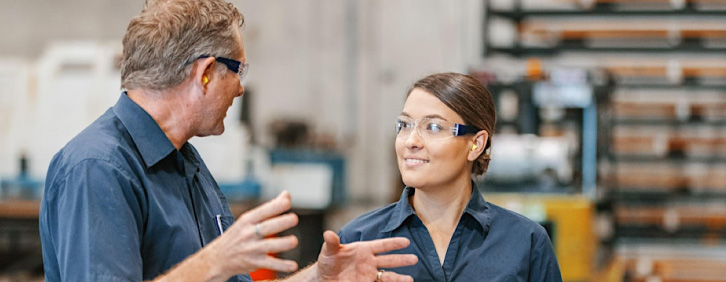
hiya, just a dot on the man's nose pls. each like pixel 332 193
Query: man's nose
pixel 241 90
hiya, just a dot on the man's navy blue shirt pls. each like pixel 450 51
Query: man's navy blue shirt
pixel 122 204
pixel 489 244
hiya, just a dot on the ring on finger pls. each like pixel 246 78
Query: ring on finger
pixel 379 275
pixel 257 230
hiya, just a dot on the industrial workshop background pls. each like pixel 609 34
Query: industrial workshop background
pixel 611 128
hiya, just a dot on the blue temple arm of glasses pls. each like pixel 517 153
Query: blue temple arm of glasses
pixel 460 129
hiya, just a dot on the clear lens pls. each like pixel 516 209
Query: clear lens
pixel 244 68
pixel 433 129
pixel 430 129
pixel 404 125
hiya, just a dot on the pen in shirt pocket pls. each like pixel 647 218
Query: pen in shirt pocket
pixel 218 219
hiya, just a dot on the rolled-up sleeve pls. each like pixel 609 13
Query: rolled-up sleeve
pixel 94 222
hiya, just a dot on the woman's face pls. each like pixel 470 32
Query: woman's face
pixel 427 163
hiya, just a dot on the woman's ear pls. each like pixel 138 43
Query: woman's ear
pixel 479 142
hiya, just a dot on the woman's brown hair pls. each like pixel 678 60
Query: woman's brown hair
pixel 470 100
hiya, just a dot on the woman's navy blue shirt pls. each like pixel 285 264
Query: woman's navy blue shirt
pixel 489 244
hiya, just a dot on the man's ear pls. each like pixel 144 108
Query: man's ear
pixel 203 72
pixel 478 145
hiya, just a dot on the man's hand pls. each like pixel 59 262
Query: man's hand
pixel 243 247
pixel 359 261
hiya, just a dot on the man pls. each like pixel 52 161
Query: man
pixel 129 199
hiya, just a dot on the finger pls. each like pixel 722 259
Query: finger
pixel 388 244
pixel 395 260
pixel 278 224
pixel 281 244
pixel 269 209
pixel 389 276
pixel 276 264
pixel 332 243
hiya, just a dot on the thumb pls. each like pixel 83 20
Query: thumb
pixel 332 243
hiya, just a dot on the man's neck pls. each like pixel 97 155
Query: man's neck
pixel 169 110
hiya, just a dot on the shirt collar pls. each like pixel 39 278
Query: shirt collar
pixel 401 211
pixel 477 208
pixel 152 143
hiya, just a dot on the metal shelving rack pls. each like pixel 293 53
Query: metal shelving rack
pixel 679 215
pixel 688 43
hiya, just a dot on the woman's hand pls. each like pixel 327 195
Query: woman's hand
pixel 360 261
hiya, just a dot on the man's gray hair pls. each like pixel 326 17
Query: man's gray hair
pixel 168 35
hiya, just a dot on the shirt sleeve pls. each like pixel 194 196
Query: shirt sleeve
pixel 242 278
pixel 95 223
pixel 543 262
pixel 343 239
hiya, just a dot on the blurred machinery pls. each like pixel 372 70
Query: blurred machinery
pixel 20 253
pixel 22 186
pixel 545 140
pixel 541 163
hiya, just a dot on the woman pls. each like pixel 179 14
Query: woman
pixel 443 136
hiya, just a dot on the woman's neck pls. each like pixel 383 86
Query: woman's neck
pixel 440 208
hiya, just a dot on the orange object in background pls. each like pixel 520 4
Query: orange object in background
pixel 264 274
pixel 534 69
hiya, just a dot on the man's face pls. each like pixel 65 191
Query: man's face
pixel 221 94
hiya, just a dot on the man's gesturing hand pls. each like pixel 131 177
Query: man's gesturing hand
pixel 243 248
